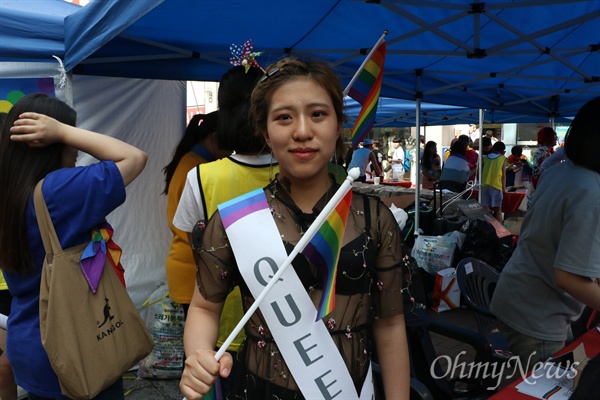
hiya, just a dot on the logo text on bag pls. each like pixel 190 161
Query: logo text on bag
pixel 107 317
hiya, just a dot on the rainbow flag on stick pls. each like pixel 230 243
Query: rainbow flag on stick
pixel 365 90
pixel 323 251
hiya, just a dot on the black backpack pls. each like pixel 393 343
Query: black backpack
pixel 481 241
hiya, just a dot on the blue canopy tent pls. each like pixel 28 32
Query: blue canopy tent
pixel 537 58
pixel 494 55
pixel 530 57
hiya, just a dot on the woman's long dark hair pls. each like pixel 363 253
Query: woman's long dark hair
pixel 236 132
pixel 198 128
pixel 428 155
pixel 21 168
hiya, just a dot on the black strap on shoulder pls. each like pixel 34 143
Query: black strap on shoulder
pixel 201 191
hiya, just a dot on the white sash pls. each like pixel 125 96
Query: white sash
pixel 306 345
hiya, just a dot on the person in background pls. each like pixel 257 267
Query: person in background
pixel 554 272
pixel 456 170
pixel 398 157
pixel 493 179
pixel 516 165
pixel 197 146
pixel 431 166
pixel 474 133
pixel 210 184
pixel 379 156
pixel 40 133
pixel 471 156
pixel 486 145
pixel 449 150
pixel 362 158
pixel 298 109
pixel 546 138
pixel 556 158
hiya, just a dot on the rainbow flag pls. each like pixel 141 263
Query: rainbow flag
pixel 236 209
pixel 366 91
pixel 323 251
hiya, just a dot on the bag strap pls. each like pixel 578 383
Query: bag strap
pixel 47 231
pixel 201 193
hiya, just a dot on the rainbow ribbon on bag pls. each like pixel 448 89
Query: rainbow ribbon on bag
pixel 95 253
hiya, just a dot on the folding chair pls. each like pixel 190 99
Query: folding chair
pixel 424 355
pixel 477 282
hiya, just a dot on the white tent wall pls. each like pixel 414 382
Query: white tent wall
pixel 149 114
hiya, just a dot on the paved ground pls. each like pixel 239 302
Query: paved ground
pixel 148 389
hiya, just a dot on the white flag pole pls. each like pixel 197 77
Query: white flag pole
pixel 310 232
pixel 362 66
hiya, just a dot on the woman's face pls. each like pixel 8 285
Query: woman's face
pixel 302 129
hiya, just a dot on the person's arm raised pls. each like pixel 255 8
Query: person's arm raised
pixel 38 130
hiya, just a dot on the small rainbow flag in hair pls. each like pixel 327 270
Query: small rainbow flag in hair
pixel 323 251
pixel 366 91
pixel 235 209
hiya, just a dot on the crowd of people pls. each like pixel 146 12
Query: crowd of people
pixel 277 137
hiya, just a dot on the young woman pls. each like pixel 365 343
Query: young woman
pixel 298 106
pixel 39 141
pixel 198 146
pixel 431 166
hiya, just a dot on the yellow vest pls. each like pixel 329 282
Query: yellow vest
pixel 492 172
pixel 3 285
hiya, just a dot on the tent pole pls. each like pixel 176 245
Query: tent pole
pixel 479 162
pixel 417 162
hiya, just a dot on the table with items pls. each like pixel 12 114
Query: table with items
pixel 548 383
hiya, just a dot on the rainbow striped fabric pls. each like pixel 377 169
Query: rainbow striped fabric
pixel 366 91
pixel 236 209
pixel 323 251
